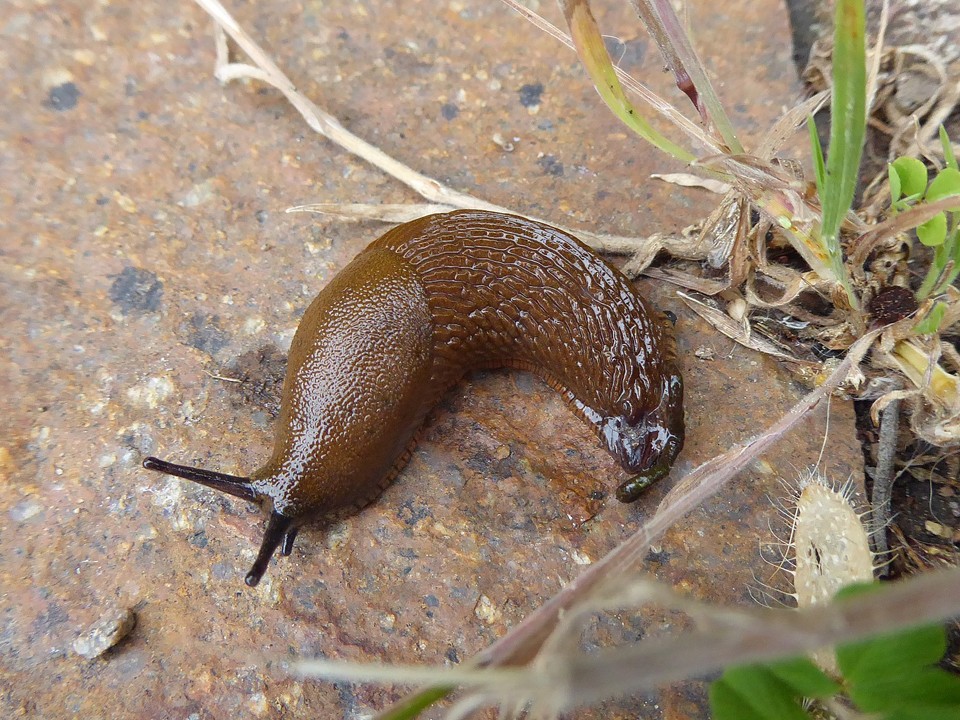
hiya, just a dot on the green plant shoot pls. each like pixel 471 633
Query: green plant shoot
pixel 847 130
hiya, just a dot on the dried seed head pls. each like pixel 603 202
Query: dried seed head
pixel 832 550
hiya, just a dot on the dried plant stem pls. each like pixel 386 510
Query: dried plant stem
pixel 524 641
pixel 901 222
pixel 724 636
pixel 442 197
pixel 883 477
pixel 321 122
pixel 751 635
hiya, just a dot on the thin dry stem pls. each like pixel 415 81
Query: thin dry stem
pixel 901 222
pixel 884 475
pixel 724 636
pixel 678 119
pixel 523 642
pixel 266 71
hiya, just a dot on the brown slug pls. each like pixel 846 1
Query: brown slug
pixel 417 309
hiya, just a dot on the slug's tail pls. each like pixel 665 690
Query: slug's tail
pixel 280 530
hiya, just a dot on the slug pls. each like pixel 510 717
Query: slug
pixel 417 309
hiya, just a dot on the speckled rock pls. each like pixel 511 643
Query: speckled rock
pixel 112 627
pixel 146 255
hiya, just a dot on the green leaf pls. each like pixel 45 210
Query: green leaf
pixel 891 655
pixel 949 158
pixel 847 130
pixel 929 688
pixel 763 692
pixel 894 180
pixel 817 149
pixel 945 184
pixel 804 678
pixel 912 174
pixel 934 231
pixel 849 119
pixel 936 279
pixel 931 323
pixel 727 704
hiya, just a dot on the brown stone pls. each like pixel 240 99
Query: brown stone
pixel 145 250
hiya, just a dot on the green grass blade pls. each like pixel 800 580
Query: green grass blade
pixel 847 129
pixel 817 150
pixel 848 108
pixel 411 707
pixel 948 157
pixel 593 54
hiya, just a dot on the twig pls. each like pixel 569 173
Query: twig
pixel 266 71
pixel 322 122
pixel 883 477
pixel 724 636
pixel 522 643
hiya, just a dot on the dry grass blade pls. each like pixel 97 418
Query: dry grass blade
pixel 265 70
pixel 523 642
pixel 901 222
pixel 724 636
pixel 737 331
pixel 876 56
pixel 704 286
pixel 909 136
pixel 791 283
pixel 688 180
pixel 400 212
pixel 739 636
pixel 664 26
pixel 782 202
pixel 791 121
pixel 707 479
pixel 268 72
pixel 385 212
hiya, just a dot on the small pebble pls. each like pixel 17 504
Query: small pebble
pixel 112 627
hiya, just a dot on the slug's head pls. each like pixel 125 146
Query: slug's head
pixel 281 529
pixel 648 445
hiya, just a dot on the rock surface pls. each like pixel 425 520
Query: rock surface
pixel 112 627
pixel 146 253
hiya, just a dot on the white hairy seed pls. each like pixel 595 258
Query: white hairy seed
pixel 832 551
